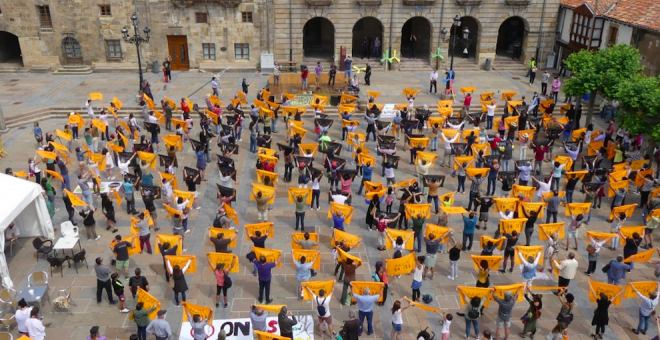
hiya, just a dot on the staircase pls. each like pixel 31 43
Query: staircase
pixel 502 63
pixel 461 65
pixel 12 68
pixel 74 70
pixel 414 65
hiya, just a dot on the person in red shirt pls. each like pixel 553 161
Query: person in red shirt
pixel 495 150
pixel 467 102
pixel 303 75
pixel 539 154
pixel 184 106
pixel 269 167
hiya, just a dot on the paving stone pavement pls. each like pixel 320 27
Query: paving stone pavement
pixel 73 90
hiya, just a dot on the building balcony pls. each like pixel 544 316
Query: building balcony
pixel 318 2
pixel 223 3
pixel 370 2
pixel 419 2
pixel 469 2
pixel 517 2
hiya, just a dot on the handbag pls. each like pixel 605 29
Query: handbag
pixel 591 249
pixel 606 268
pixel 228 282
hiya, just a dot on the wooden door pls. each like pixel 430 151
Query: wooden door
pixel 614 32
pixel 177 45
pixel 71 51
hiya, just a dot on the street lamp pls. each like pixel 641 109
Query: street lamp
pixel 455 26
pixel 136 40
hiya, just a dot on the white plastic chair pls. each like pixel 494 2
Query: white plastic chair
pixel 68 229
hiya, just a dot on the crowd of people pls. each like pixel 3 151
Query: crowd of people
pixel 606 164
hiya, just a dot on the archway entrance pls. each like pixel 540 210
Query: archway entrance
pixel 510 38
pixel 369 29
pixel 472 42
pixel 71 51
pixel 419 28
pixel 319 39
pixel 10 49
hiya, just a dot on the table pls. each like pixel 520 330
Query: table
pixel 36 297
pixel 65 243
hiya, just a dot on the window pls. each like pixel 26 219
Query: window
pixel 105 10
pixel 247 16
pixel 201 17
pixel 44 16
pixel 113 49
pixel 209 51
pixel 580 29
pixel 242 51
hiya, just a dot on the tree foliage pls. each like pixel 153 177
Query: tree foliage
pixel 639 99
pixel 602 71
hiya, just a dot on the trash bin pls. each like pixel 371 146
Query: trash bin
pixel 488 64
pixel 155 67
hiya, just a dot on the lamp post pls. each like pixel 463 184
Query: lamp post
pixel 455 26
pixel 136 40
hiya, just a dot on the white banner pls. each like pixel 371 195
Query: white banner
pixel 388 112
pixel 241 329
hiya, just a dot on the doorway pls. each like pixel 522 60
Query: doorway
pixel 511 38
pixel 369 29
pixel 10 49
pixel 319 39
pixel 71 51
pixel 416 38
pixel 177 45
pixel 471 43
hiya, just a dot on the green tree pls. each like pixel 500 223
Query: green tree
pixel 601 72
pixel 639 99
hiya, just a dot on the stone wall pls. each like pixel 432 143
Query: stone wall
pixel 81 19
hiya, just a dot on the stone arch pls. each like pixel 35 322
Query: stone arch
pixel 71 51
pixel 10 48
pixel 422 29
pixel 371 28
pixel 472 43
pixel 319 39
pixel 512 37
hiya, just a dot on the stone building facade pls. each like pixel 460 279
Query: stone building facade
pixel 54 33
pixel 213 34
pixel 494 26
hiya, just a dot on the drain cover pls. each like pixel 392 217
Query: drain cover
pixel 515 78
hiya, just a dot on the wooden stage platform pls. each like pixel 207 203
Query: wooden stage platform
pixel 292 83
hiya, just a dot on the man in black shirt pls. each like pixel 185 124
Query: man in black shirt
pixel 484 205
pixel 511 240
pixel 148 199
pixel 121 250
pixel 570 187
pixel 221 243
pixel 89 223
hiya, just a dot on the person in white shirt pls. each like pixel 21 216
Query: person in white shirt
pixel 339 198
pixel 152 118
pixel 103 117
pixel 22 315
pixel 567 270
pixel 35 327
pixel 11 233
pixel 490 115
pixel 90 109
pixel 446 156
pixel 397 319
pixel 323 305
pixel 544 186
pixel 433 79
pixel 180 206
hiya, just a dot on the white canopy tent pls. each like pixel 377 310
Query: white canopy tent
pixel 21 202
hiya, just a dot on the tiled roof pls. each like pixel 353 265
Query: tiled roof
pixel 638 13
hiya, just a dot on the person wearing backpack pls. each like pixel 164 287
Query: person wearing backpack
pixel 223 282
pixel 221 219
pixel 472 315
pixel 322 309
pixel 397 320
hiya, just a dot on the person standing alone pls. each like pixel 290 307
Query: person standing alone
pixel 167 69
pixel 317 72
